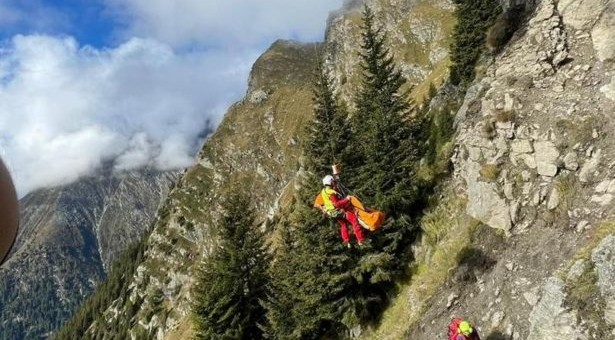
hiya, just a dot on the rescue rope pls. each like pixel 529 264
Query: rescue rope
pixel 347 191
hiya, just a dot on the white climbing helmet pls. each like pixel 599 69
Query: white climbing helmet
pixel 328 180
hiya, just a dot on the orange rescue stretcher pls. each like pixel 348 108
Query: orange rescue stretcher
pixel 368 218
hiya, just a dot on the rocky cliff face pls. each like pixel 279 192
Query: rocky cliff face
pixel 533 173
pixel 68 238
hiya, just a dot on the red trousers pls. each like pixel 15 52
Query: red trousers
pixel 349 216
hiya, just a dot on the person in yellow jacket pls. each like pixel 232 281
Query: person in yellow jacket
pixel 340 208
pixel 460 329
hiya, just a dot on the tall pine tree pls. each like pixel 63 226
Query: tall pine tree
pixel 474 17
pixel 386 142
pixel 318 286
pixel 310 278
pixel 384 129
pixel 328 133
pixel 386 135
pixel 233 279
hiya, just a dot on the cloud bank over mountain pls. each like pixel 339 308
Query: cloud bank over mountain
pixel 68 108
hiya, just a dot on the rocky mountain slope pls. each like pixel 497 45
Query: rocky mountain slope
pixel 256 145
pixel 529 254
pixel 68 238
pixel 519 239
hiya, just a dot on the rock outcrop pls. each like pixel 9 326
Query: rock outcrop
pixel 549 319
pixel 535 117
pixel 535 162
pixel 603 257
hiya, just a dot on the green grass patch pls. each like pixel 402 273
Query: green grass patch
pixel 447 231
pixel 438 223
pixel 582 293
pixel 566 186
pixel 598 233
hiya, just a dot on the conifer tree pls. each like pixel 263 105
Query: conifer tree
pixel 310 278
pixel 386 141
pixel 319 288
pixel 281 301
pixel 233 279
pixel 474 17
pixel 384 130
pixel 328 133
pixel 386 133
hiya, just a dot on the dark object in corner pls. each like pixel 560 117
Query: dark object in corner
pixel 9 213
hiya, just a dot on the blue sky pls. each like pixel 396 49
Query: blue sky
pixel 90 22
pixel 133 81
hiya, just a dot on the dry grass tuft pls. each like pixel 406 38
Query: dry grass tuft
pixel 504 116
pixel 489 171
pixel 488 129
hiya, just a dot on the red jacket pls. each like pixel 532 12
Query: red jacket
pixel 453 332
pixel 339 203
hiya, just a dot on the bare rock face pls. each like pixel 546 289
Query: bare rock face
pixel 546 158
pixel 597 16
pixel 589 167
pixel 522 146
pixel 571 161
pixel 550 319
pixel 554 38
pixel 603 257
pixel 609 89
pixel 581 14
pixel 534 152
pixel 554 199
pixel 484 202
pixel 602 34
pixel 555 166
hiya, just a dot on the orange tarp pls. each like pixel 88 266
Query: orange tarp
pixel 368 218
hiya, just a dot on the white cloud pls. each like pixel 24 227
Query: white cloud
pixel 66 109
pixel 230 23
